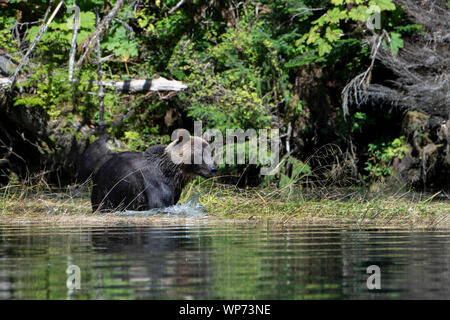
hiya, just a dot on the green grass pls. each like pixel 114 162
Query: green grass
pixel 358 206
pixel 285 205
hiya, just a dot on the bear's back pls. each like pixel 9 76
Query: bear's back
pixel 134 181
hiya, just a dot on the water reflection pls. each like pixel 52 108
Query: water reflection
pixel 157 262
pixel 224 261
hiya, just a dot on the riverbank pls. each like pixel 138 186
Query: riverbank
pixel 225 203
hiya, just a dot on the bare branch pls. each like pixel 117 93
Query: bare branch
pixel 35 41
pixel 101 94
pixel 179 4
pixel 101 29
pixel 353 91
pixel 73 46
pixel 421 67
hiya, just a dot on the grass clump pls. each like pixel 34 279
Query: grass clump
pixel 16 199
pixel 358 206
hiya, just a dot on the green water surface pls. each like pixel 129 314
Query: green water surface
pixel 222 261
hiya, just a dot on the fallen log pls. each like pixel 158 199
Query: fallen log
pixel 131 86
pixel 145 85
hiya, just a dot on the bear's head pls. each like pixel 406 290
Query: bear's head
pixel 193 155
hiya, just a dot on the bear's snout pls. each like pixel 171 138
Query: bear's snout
pixel 208 170
pixel 213 168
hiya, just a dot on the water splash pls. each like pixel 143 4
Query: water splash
pixel 191 208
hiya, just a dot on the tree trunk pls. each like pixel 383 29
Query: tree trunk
pixel 73 46
pixel 100 94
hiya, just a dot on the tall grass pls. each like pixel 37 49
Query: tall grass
pixel 41 198
pixel 356 205
pixel 340 204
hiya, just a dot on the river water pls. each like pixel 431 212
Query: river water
pixel 216 260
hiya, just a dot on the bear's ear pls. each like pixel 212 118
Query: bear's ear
pixel 179 139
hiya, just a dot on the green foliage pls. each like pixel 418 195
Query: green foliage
pixel 291 171
pixel 120 44
pixel 359 119
pixel 140 141
pixel 134 140
pixel 52 91
pixel 328 29
pixel 396 42
pixel 223 100
pixel 242 65
pixel 55 42
pixel 6 41
pixel 381 156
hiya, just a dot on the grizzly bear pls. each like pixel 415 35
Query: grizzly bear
pixel 151 179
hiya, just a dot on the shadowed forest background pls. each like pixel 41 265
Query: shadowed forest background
pixel 356 106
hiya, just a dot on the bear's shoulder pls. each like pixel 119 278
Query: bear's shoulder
pixel 122 161
pixel 156 149
pixel 127 155
pixel 155 152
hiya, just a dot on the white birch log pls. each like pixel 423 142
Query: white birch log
pixel 145 85
pixel 131 86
